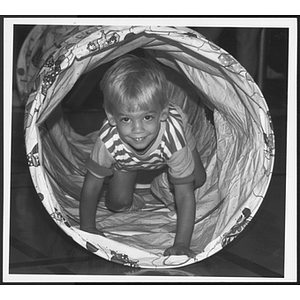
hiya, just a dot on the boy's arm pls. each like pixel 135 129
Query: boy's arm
pixel 88 203
pixel 186 206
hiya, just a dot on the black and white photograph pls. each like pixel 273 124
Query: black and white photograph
pixel 149 149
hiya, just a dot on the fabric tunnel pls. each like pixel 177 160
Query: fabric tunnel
pixel 59 65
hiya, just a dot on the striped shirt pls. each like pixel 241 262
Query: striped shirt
pixel 170 148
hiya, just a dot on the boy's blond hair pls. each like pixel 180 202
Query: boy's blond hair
pixel 135 83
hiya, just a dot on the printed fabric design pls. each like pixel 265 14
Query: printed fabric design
pixel 241 223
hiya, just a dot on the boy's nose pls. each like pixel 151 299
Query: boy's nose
pixel 137 127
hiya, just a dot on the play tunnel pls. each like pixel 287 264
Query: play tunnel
pixel 58 74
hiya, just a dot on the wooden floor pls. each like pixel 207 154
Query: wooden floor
pixel 38 246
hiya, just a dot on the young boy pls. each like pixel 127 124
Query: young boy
pixel 144 130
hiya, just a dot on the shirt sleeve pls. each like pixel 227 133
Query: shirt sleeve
pixel 181 166
pixel 100 162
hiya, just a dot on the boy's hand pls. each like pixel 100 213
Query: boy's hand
pixel 93 230
pixel 179 250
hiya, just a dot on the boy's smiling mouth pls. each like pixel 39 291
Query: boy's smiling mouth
pixel 139 139
pixel 140 144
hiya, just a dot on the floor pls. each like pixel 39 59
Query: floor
pixel 38 246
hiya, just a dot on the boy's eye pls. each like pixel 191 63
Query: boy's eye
pixel 148 118
pixel 125 120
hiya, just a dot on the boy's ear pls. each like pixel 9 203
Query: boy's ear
pixel 164 114
pixel 111 119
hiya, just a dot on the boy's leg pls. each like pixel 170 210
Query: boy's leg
pixel 162 189
pixel 200 173
pixel 119 195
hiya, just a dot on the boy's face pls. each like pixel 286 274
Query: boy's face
pixel 139 128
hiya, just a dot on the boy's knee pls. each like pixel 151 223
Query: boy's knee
pixel 119 209
pixel 200 180
pixel 117 205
